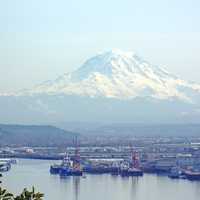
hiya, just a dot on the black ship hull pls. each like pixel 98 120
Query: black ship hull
pixel 131 173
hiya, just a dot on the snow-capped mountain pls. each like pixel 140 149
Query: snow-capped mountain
pixel 112 86
pixel 120 75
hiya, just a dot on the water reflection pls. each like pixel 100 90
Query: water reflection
pixel 134 186
pixel 76 187
pixel 107 187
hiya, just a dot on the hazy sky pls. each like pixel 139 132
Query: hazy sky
pixel 41 39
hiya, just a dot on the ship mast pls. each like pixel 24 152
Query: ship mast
pixel 76 161
pixel 135 161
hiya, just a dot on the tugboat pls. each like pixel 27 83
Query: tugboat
pixel 133 168
pixel 175 173
pixel 55 169
pixel 192 175
pixel 74 168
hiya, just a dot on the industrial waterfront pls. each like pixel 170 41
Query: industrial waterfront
pixel 147 168
pixel 176 157
pixel 152 187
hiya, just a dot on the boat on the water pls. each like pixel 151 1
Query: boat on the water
pixel 9 160
pixel 192 175
pixel 131 172
pixel 5 166
pixel 102 166
pixel 54 169
pixel 71 168
pixel 175 173
pixel 132 168
pixel 101 170
pixel 68 171
pixel 68 167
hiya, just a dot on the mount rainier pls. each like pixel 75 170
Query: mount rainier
pixel 120 75
pixel 111 86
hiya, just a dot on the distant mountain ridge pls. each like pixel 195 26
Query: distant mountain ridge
pixel 148 130
pixel 32 135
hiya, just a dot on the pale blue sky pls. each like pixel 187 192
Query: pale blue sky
pixel 41 39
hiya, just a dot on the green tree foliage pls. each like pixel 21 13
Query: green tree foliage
pixel 25 195
pixel 4 195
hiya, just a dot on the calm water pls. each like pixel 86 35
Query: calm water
pixel 97 187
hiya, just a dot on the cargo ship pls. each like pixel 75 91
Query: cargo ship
pixel 102 166
pixel 95 169
pixel 101 170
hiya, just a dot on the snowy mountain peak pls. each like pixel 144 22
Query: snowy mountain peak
pixel 120 75
pixel 117 53
pixel 116 63
pixel 110 63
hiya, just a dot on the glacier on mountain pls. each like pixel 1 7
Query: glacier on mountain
pixel 120 75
